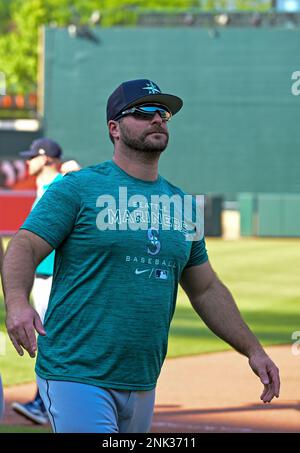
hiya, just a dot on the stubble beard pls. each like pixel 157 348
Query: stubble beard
pixel 143 143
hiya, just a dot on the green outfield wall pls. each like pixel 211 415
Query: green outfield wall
pixel 239 129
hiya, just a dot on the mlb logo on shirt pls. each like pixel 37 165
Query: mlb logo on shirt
pixel 161 274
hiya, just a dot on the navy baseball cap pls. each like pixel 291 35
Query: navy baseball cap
pixel 42 146
pixel 136 92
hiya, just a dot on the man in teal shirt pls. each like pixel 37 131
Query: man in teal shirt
pixel 124 238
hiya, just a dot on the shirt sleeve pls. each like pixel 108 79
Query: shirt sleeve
pixel 54 216
pixel 198 254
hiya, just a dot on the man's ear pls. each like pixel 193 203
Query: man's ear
pixel 114 129
pixel 48 160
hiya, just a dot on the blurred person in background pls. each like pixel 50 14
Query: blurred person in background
pixel 69 165
pixel 44 162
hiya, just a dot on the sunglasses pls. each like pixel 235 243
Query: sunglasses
pixel 146 112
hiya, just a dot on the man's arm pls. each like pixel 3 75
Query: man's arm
pixel 26 250
pixel 215 305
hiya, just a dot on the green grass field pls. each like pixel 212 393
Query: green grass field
pixel 263 276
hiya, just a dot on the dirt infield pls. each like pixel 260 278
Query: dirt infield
pixel 212 393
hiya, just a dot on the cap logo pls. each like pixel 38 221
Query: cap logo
pixel 42 151
pixel 152 89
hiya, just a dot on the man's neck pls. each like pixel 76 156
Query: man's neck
pixel 138 164
pixel 46 176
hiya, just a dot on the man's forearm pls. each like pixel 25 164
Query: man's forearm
pixel 18 271
pixel 25 252
pixel 218 310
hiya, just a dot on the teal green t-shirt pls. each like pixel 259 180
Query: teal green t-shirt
pixel 115 277
pixel 47 265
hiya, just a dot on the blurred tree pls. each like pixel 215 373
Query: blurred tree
pixel 19 45
pixel 20 21
pixel 238 5
pixel 5 7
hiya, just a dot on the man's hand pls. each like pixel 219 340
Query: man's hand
pixel 215 305
pixel 268 373
pixel 25 251
pixel 21 323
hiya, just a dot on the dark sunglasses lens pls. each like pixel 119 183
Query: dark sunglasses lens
pixel 151 110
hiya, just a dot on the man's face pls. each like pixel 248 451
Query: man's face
pixel 36 165
pixel 144 134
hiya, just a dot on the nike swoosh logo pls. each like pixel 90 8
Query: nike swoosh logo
pixel 138 271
